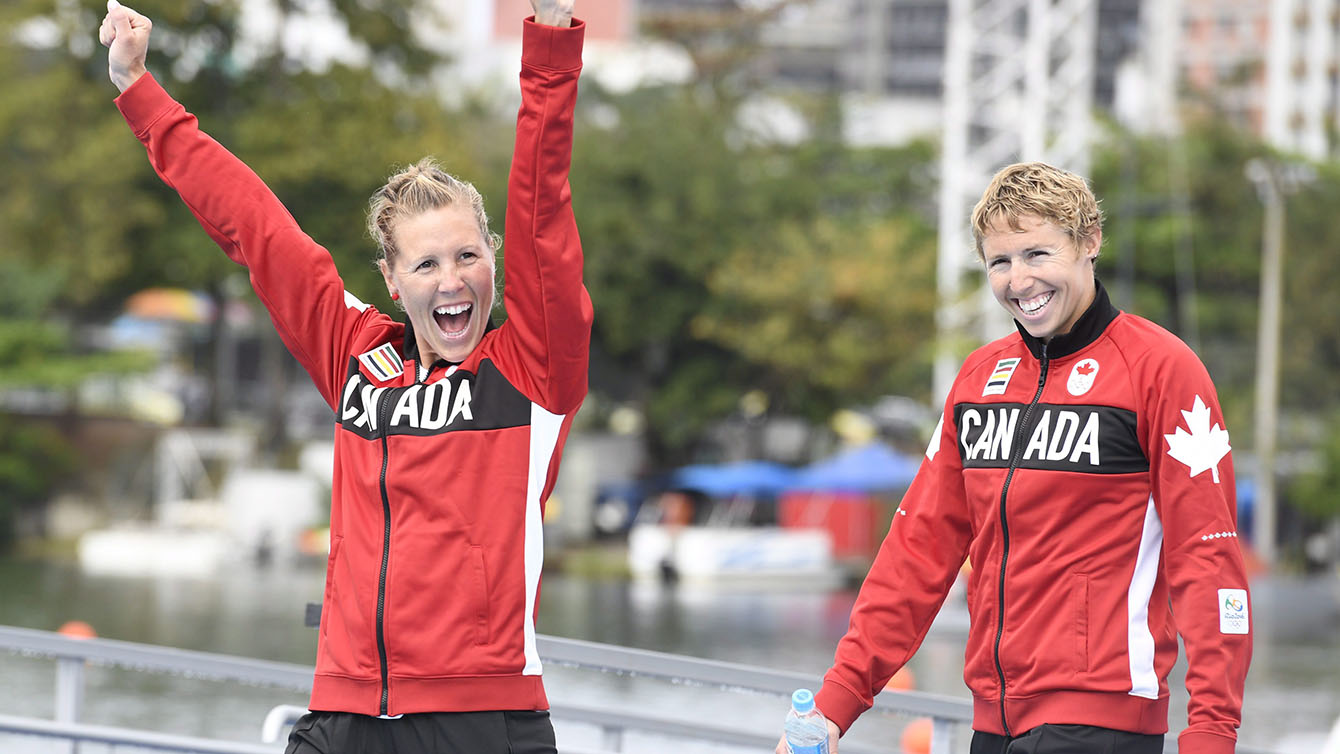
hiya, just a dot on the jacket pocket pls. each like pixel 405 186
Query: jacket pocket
pixel 481 592
pixel 1079 605
pixel 441 610
pixel 330 601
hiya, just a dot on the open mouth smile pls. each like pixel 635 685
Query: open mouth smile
pixel 453 320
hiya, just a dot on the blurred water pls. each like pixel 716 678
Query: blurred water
pixel 1293 689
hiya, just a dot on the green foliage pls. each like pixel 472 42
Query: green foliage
pixel 1310 349
pixel 843 310
pixel 38 353
pixel 1224 228
pixel 1317 493
pixel 32 459
pixel 721 263
pixel 1221 236
pixel 83 201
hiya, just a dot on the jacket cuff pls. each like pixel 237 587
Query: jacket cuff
pixel 1196 742
pixel 144 102
pixel 553 47
pixel 838 704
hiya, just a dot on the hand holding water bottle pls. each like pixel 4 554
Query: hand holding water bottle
pixel 806 730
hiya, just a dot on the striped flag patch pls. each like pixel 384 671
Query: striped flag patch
pixel 383 362
pixel 1000 377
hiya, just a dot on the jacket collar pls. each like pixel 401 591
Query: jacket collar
pixel 410 345
pixel 1090 326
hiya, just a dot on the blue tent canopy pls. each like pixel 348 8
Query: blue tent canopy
pixel 874 467
pixel 758 478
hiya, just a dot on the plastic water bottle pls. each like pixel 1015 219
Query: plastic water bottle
pixel 806 729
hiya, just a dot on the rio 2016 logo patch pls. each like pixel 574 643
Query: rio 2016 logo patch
pixel 1233 611
pixel 1082 376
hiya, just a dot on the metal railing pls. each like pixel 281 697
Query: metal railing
pixel 73 655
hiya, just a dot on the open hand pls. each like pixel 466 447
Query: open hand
pixel 125 33
pixel 553 12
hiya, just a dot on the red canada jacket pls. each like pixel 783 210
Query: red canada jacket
pixel 439 481
pixel 1088 482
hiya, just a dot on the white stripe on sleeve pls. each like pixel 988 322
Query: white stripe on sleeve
pixel 1139 639
pixel 544 427
pixel 351 302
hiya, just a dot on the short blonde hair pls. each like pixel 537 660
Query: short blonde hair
pixel 419 188
pixel 1041 190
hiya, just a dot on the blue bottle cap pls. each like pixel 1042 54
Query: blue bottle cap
pixel 802 700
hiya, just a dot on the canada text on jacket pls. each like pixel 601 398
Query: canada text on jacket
pixel 458 401
pixel 1082 438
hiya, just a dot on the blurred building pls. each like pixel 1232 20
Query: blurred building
pixel 1270 66
pixel 1302 89
pixel 897 47
pixel 883 58
pixel 1223 43
pixel 1267 66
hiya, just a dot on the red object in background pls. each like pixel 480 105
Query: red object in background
pixel 851 519
pixel 605 19
pixel 903 680
pixel 916 737
pixel 77 629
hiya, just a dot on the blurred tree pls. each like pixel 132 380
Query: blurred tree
pixel 32 459
pixel 839 312
pixel 1310 355
pixel 658 207
pixel 1183 237
pixel 722 262
pixel 1224 222
pixel 84 199
pixel 1314 492
pixel 46 355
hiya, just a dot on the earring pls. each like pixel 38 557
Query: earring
pixel 395 296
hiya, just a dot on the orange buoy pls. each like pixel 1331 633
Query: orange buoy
pixel 917 736
pixel 903 680
pixel 77 629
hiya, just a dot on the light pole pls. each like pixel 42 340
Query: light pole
pixel 1273 181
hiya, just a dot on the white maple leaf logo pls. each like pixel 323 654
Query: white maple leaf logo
pixel 1204 446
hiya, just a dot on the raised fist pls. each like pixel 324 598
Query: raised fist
pixel 553 12
pixel 126 36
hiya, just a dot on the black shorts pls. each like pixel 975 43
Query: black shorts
pixel 504 732
pixel 1068 739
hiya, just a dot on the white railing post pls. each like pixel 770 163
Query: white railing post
pixel 942 735
pixel 69 689
pixel 611 738
pixel 69 693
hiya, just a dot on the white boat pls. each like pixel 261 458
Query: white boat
pixel 733 554
pixel 155 550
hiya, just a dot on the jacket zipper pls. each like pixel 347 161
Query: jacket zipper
pixel 1016 456
pixel 386 556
